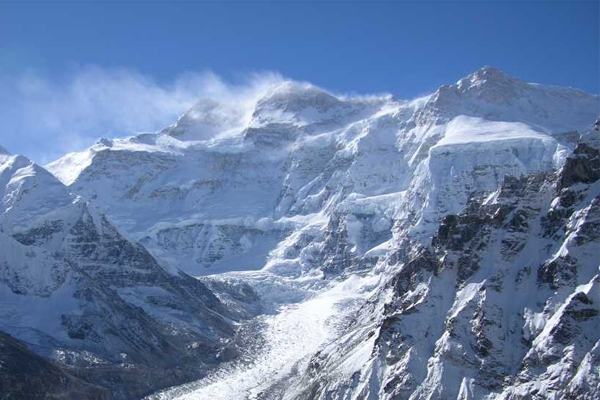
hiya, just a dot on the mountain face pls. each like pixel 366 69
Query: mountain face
pixel 444 247
pixel 502 303
pixel 80 293
pixel 222 204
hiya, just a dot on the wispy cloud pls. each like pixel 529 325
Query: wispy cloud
pixel 44 118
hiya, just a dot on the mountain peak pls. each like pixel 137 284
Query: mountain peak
pixel 293 96
pixel 290 87
pixel 297 103
pixel 489 72
pixel 4 152
pixel 492 94
pixel 207 119
pixel 486 76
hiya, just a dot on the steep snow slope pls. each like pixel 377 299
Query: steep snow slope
pixel 77 291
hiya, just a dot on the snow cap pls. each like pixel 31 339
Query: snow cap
pixel 489 74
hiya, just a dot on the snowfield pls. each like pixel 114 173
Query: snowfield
pixel 465 129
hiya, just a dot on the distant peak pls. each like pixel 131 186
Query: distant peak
pixel 289 87
pixel 488 74
pixel 488 80
pixel 3 151
pixel 295 96
pixel 295 90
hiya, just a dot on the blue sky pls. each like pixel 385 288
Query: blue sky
pixel 55 54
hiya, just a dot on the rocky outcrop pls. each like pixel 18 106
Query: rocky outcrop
pixel 520 312
pixel 26 375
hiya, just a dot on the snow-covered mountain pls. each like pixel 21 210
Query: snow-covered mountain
pixel 81 294
pixel 443 247
pixel 223 204
pixel 503 303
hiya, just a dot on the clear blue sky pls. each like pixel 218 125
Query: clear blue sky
pixel 402 47
pixel 405 48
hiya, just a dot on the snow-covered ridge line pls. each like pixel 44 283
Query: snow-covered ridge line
pixel 302 105
pixel 304 149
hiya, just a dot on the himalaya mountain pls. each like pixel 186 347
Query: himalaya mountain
pixel 75 290
pixel 344 247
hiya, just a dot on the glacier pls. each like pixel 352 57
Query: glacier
pixel 320 246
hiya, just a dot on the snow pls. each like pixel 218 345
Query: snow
pixel 465 129
pixel 43 316
pixel 28 192
pixel 68 167
pixel 291 336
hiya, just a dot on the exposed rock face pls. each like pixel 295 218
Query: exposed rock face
pixel 26 375
pixel 583 167
pixel 518 288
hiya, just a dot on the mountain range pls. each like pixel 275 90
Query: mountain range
pixel 319 246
